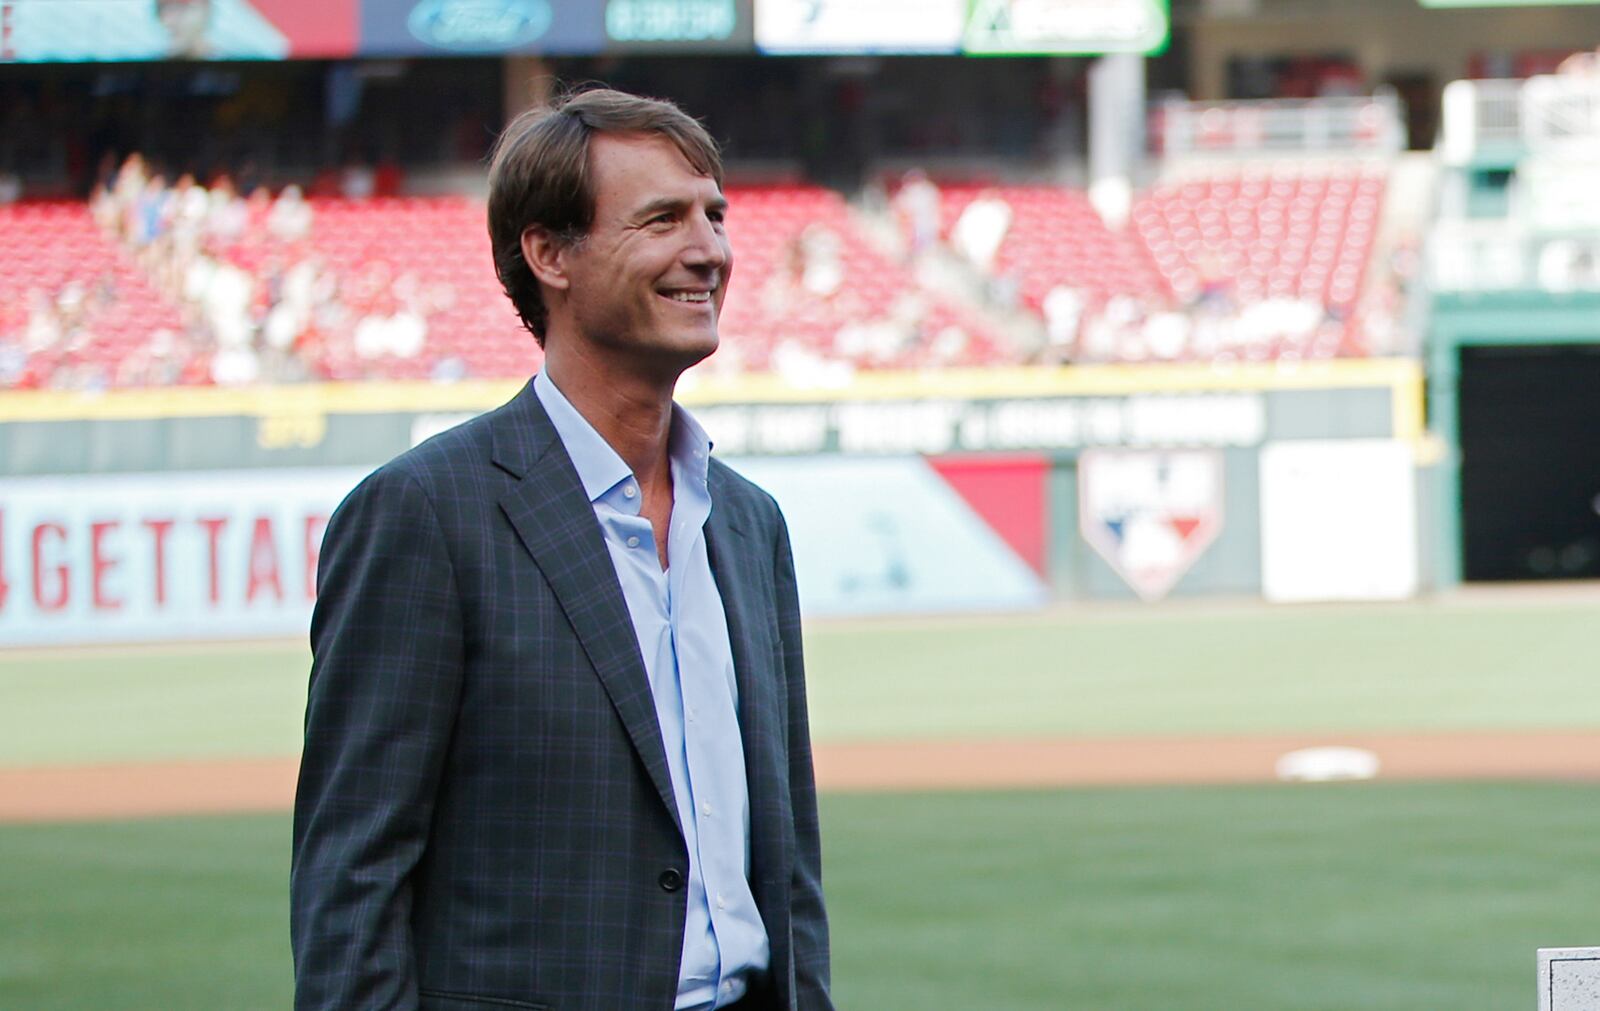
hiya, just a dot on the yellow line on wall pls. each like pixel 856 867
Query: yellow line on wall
pixel 255 401
pixel 1063 381
pixel 1402 376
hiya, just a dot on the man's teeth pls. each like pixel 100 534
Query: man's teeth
pixel 691 296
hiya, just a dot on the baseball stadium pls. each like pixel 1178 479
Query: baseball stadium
pixel 1183 412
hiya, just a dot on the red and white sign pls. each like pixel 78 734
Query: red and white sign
pixel 162 556
pixel 1150 514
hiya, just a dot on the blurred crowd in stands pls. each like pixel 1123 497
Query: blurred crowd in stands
pixel 252 290
pixel 237 292
pixel 819 296
pixel 1268 263
pixel 175 281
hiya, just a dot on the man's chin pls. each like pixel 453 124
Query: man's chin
pixel 698 346
pixel 683 352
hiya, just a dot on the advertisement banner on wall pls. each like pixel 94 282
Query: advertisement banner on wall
pixel 670 26
pixel 1010 27
pixel 860 26
pixel 127 557
pixel 953 425
pixel 1508 3
pixel 219 555
pixel 891 535
pixel 445 27
pixel 83 31
pixel 1338 520
pixel 125 30
pixel 1150 514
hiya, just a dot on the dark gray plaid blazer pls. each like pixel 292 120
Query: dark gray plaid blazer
pixel 484 816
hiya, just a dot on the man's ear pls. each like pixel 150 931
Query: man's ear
pixel 541 251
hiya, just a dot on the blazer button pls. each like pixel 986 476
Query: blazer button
pixel 670 880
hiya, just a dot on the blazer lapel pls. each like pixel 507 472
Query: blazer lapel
pixel 746 600
pixel 726 550
pixel 555 521
pixel 738 566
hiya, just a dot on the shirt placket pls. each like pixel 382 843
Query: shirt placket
pixel 634 534
pixel 692 708
pixel 710 728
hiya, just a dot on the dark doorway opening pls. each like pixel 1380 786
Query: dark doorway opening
pixel 1530 462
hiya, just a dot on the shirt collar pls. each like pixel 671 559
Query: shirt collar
pixel 599 467
pixel 690 447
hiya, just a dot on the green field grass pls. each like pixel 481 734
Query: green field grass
pixel 1427 666
pixel 84 706
pixel 1371 896
pixel 1423 666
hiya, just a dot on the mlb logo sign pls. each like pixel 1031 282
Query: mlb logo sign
pixel 1150 514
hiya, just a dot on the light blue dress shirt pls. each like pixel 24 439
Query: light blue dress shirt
pixel 683 637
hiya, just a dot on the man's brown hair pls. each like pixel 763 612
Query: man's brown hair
pixel 539 176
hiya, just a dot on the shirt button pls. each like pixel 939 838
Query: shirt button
pixel 633 542
pixel 629 490
pixel 670 880
pixel 721 904
pixel 705 808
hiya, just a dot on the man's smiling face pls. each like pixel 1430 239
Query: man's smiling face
pixel 649 277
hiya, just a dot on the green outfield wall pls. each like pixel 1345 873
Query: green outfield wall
pixel 147 514
pixel 1061 410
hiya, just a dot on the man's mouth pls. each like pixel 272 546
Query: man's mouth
pixel 691 297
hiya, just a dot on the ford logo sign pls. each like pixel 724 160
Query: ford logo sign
pixel 477 25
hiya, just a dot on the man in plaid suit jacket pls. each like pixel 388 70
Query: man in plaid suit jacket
pixel 491 811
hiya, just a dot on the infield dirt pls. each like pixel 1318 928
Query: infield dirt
pixel 77 793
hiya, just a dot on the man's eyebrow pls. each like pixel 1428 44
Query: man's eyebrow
pixel 678 204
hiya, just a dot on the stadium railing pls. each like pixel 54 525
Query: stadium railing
pixel 1369 124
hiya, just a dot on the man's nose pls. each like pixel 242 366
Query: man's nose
pixel 708 245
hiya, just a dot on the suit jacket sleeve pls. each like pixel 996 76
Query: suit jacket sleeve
pixel 809 918
pixel 386 640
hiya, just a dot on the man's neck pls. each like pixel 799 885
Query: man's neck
pixel 631 412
